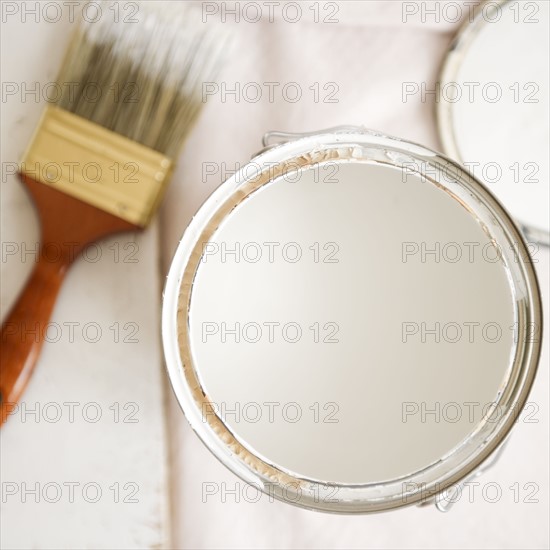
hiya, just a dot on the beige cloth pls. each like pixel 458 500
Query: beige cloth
pixel 368 56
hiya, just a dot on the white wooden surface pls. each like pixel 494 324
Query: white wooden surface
pixel 68 457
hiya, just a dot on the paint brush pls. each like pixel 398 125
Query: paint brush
pixel 103 153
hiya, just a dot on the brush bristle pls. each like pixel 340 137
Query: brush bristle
pixel 142 79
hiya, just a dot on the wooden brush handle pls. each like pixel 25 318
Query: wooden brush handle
pixel 23 331
pixel 68 225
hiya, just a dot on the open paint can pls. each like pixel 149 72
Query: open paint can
pixel 352 322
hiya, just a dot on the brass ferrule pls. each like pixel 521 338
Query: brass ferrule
pixel 97 166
